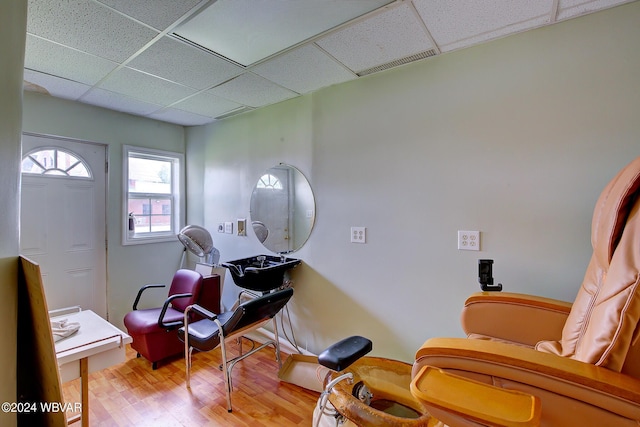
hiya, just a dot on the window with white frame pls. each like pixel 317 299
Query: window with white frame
pixel 152 205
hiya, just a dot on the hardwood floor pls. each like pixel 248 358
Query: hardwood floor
pixel 132 394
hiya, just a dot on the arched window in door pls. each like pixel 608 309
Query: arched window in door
pixel 55 162
pixel 269 181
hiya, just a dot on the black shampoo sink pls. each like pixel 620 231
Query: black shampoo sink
pixel 261 272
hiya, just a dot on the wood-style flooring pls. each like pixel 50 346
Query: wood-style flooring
pixel 132 394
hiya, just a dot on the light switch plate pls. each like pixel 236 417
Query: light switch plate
pixel 228 227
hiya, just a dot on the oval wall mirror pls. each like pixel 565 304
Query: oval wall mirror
pixel 282 209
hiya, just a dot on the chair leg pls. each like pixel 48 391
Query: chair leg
pixel 277 341
pixel 225 370
pixel 154 366
pixel 187 361
pixel 187 348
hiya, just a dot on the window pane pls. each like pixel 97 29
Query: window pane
pixel 79 170
pixel 29 166
pixel 160 223
pixel 54 161
pixel 151 215
pixel 149 176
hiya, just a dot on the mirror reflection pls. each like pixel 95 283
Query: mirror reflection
pixel 282 209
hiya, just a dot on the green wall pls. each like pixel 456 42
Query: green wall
pixel 13 22
pixel 515 138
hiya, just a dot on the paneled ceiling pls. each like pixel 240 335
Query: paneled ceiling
pixel 192 62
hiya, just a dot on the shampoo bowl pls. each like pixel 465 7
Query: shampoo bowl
pixel 261 273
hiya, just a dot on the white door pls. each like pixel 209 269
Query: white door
pixel 271 205
pixel 63 219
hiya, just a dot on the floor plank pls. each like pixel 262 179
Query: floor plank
pixel 133 394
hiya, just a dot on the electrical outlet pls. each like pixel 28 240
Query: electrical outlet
pixel 228 227
pixel 468 240
pixel 358 235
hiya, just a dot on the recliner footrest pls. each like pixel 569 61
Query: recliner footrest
pixel 343 353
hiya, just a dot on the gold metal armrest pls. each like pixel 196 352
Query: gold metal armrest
pixel 444 393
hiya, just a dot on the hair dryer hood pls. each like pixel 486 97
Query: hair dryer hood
pixel 198 241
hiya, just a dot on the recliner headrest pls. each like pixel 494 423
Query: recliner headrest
pixel 612 209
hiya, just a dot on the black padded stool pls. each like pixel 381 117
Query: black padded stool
pixel 343 353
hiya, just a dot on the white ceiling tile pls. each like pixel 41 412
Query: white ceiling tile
pixel 176 61
pixel 145 87
pixel 572 8
pixel 387 36
pixel 460 23
pixel 179 117
pixel 304 69
pixel 56 86
pixel 247 31
pixel 119 102
pixel 254 91
pixel 87 26
pixel 51 58
pixel 207 104
pixel 156 13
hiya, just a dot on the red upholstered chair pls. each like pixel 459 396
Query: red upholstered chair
pixel 154 330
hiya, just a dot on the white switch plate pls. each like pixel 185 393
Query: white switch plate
pixel 358 235
pixel 468 240
pixel 228 227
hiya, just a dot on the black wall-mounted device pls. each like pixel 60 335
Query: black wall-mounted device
pixel 485 276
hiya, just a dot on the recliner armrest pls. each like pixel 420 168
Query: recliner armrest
pixel 203 311
pixel 513 317
pixel 452 398
pixel 165 306
pixel 600 387
pixel 141 290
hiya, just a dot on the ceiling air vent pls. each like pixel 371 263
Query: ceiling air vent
pixel 397 62
pixel 233 112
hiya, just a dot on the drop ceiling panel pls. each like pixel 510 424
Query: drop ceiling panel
pixel 570 8
pixel 51 58
pixel 207 104
pixel 184 64
pixel 145 87
pixel 119 102
pixel 111 53
pixel 56 86
pixel 304 69
pixel 247 31
pixel 392 34
pixel 459 23
pixel 159 14
pixel 253 91
pixel 87 26
pixel 180 117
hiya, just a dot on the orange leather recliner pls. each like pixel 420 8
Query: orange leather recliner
pixel 582 360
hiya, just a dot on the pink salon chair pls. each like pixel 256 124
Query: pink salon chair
pixel 154 330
